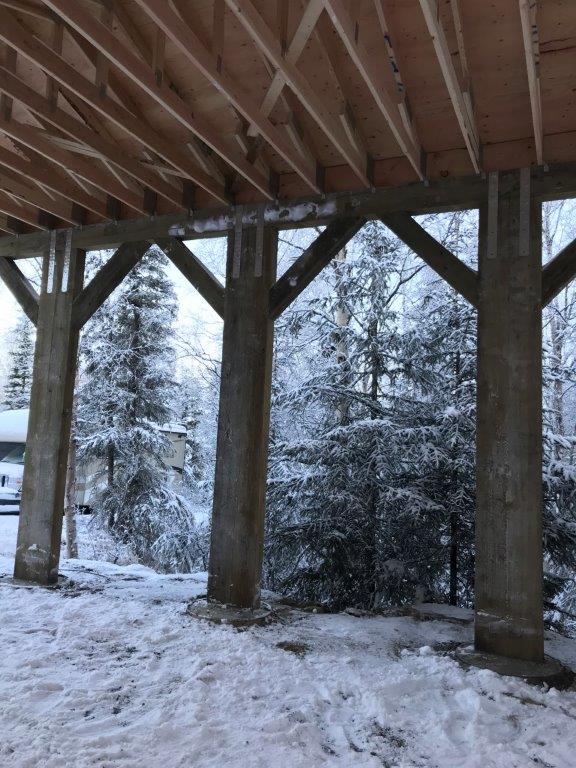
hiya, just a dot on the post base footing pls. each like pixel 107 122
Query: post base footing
pixel 241 618
pixel 548 672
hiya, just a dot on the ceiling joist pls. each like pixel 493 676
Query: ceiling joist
pixel 267 41
pixel 532 53
pixel 461 105
pixel 66 74
pixel 183 37
pixel 139 73
pixel 372 76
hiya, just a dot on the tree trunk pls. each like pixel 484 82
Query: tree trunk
pixel 70 503
pixel 454 513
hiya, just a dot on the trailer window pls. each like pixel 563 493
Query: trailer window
pixel 12 453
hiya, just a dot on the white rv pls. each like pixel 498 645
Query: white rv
pixel 13 429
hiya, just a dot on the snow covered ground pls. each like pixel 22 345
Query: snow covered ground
pixel 109 671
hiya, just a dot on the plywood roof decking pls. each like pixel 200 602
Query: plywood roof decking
pixel 105 127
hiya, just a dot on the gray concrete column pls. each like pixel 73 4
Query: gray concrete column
pixel 44 483
pixel 509 566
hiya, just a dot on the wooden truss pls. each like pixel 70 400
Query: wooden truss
pixel 111 112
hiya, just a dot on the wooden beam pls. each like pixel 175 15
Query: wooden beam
pixel 307 266
pixel 86 170
pixel 22 211
pixel 558 273
pixel 266 40
pixel 78 130
pixel 401 94
pixel 51 400
pixel 235 568
pixel 298 43
pixel 183 37
pixel 461 108
pixel 133 67
pixel 6 103
pixel 530 37
pixel 50 177
pixel 106 280
pixel 456 194
pixel 62 209
pixel 372 76
pixel 195 272
pixel 508 579
pixel 28 7
pixel 440 259
pixel 39 53
pixel 20 288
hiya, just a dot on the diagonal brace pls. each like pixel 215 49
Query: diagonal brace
pixel 307 266
pixel 20 287
pixel 106 280
pixel 457 274
pixel 195 272
pixel 558 273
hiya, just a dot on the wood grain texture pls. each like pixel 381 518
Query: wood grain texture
pixel 509 567
pixel 435 255
pixel 237 538
pixel 44 482
pixel 20 288
pixel 106 280
pixel 307 266
pixel 195 272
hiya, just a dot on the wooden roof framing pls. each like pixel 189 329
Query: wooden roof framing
pixel 123 109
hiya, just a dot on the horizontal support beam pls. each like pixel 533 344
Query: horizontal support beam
pixel 195 272
pixel 449 267
pixel 558 183
pixel 307 266
pixel 20 288
pixel 560 271
pixel 105 281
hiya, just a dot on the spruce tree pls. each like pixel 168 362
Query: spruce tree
pixel 128 394
pixel 326 532
pixel 19 382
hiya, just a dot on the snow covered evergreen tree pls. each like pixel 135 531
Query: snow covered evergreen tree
pixel 21 353
pixel 326 533
pixel 128 394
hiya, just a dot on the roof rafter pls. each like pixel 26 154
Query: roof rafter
pixel 133 67
pixel 45 174
pixel 26 6
pixel 86 170
pixel 20 211
pixel 39 53
pixel 371 74
pixel 402 96
pixel 298 43
pixel 266 40
pixel 530 36
pixel 62 209
pixel 189 44
pixel 200 152
pixel 461 106
pixel 60 119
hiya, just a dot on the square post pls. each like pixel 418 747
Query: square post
pixel 44 482
pixel 242 444
pixel 509 607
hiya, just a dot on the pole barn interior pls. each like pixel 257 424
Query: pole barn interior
pixel 125 123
